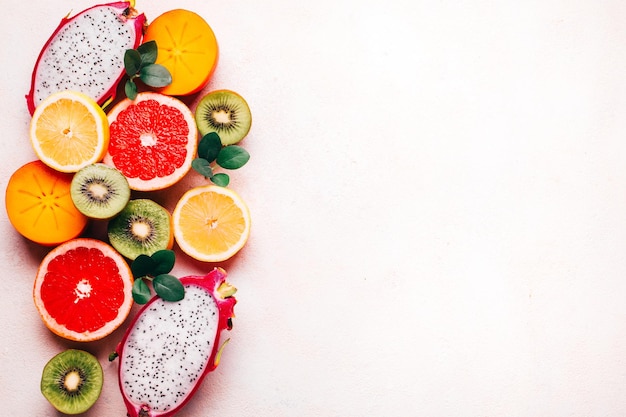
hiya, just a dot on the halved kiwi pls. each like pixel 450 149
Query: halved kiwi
pixel 142 227
pixel 99 191
pixel 72 381
pixel 225 113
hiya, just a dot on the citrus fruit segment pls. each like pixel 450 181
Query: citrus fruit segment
pixel 69 131
pixel 83 290
pixel 186 47
pixel 211 223
pixel 40 207
pixel 153 140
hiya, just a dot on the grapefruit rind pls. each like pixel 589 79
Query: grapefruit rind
pixel 124 307
pixel 125 152
pixel 190 226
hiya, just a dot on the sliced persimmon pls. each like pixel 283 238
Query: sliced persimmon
pixel 187 47
pixel 40 207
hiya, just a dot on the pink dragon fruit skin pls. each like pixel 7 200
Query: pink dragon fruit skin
pixel 86 53
pixel 171 346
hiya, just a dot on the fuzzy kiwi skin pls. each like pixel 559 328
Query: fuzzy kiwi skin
pixel 159 220
pixel 105 176
pixel 89 388
pixel 230 105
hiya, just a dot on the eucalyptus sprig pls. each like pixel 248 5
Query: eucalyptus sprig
pixel 140 63
pixel 211 152
pixel 156 268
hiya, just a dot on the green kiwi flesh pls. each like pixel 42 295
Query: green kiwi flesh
pixel 225 113
pixel 142 227
pixel 72 381
pixel 99 191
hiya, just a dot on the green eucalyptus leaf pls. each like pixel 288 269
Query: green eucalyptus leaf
pixel 209 146
pixel 221 179
pixel 142 266
pixel 163 261
pixel 168 287
pixel 130 88
pixel 155 75
pixel 203 167
pixel 232 157
pixel 141 291
pixel 148 52
pixel 132 62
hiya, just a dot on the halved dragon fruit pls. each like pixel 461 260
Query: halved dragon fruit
pixel 171 346
pixel 86 53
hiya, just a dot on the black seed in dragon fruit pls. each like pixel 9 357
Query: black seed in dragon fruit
pixel 170 347
pixel 86 53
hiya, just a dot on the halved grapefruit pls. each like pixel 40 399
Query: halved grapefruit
pixel 153 140
pixel 83 290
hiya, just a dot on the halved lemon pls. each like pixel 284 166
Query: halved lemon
pixel 211 223
pixel 69 131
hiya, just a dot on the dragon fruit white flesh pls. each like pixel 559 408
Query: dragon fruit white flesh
pixel 86 53
pixel 171 346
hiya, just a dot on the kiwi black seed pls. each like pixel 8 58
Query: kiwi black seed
pixel 225 113
pixel 99 191
pixel 142 227
pixel 72 381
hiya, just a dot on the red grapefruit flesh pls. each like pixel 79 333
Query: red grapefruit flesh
pixel 83 290
pixel 153 140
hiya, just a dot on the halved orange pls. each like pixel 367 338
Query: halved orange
pixel 40 207
pixel 69 131
pixel 211 223
pixel 186 47
pixel 83 290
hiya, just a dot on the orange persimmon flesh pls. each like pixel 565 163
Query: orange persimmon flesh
pixel 186 47
pixel 40 207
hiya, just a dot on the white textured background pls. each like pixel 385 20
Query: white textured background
pixel 438 191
